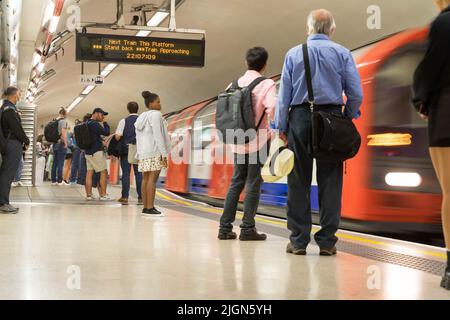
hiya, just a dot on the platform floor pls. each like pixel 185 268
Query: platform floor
pixel 61 247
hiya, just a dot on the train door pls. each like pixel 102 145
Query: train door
pixel 201 149
pixel 162 176
pixel 180 135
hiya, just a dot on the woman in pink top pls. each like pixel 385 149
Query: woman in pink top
pixel 248 158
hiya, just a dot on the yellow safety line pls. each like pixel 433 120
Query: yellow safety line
pixel 284 224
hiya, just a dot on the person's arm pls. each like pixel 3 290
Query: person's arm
pixel 270 102
pixel 159 136
pixel 284 97
pixel 101 130
pixel 120 129
pixel 15 127
pixel 352 88
pixel 64 136
pixel 428 75
pixel 106 129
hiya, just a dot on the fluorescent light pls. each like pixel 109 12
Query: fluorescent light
pixel 74 104
pixel 88 90
pixel 157 18
pixel 110 67
pixel 105 73
pixel 53 24
pixel 36 58
pixel 143 33
pixel 48 14
pixel 155 21
pixel 403 179
pixel 40 67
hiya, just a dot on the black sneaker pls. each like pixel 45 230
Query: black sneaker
pixel 328 252
pixel 445 282
pixel 157 210
pixel 227 235
pixel 252 236
pixel 294 250
pixel 151 212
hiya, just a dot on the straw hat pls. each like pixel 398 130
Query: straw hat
pixel 280 161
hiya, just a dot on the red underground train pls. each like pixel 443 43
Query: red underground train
pixel 389 187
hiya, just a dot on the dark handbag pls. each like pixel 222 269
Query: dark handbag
pixel 117 148
pixel 334 137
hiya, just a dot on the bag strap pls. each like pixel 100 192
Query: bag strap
pixel 252 86
pixel 308 74
pixel 255 82
pixel 234 84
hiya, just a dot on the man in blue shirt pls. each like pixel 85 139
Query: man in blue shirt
pixel 95 155
pixel 333 73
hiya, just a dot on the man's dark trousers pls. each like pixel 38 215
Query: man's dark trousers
pixel 126 169
pixel 244 175
pixel 8 169
pixel 329 180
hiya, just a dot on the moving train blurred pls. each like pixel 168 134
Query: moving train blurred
pixel 390 187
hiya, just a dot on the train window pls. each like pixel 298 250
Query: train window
pixel 204 123
pixel 393 89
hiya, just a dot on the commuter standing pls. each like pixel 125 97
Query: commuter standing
pixel 153 145
pixel 127 132
pixel 81 178
pixel 432 101
pixel 95 155
pixel 76 157
pixel 60 150
pixel 247 165
pixel 16 142
pixel 333 72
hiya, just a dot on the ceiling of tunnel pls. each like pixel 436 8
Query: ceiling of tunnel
pixel 231 27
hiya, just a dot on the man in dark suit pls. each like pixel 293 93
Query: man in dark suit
pixel 16 141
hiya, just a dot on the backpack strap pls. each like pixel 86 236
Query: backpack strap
pixel 234 84
pixel 3 108
pixel 252 86
pixel 255 82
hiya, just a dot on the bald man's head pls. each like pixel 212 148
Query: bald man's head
pixel 321 21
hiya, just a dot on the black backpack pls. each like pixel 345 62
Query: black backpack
pixel 334 138
pixel 3 139
pixel 234 113
pixel 51 132
pixel 82 136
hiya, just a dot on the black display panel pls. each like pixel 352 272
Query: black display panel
pixel 92 47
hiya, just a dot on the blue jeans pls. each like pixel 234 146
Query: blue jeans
pixel 244 175
pixel 126 169
pixel 59 156
pixel 18 175
pixel 81 178
pixel 74 170
pixel 329 180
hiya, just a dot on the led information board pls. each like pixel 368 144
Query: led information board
pixel 92 47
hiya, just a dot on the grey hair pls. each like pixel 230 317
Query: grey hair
pixel 324 26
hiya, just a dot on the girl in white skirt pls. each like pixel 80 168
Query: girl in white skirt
pixel 153 146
